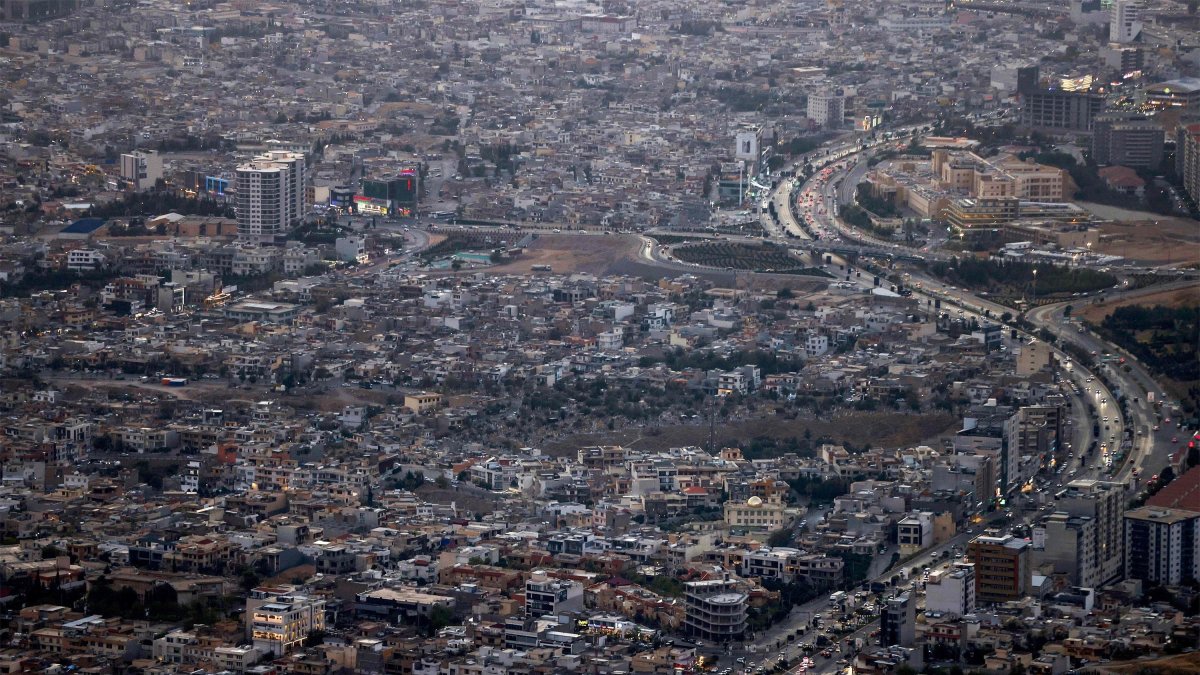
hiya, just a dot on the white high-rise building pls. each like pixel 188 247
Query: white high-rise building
pixel 297 187
pixel 142 169
pixel 262 210
pixel 1125 23
pixel 715 610
pixel 826 109
pixel 271 195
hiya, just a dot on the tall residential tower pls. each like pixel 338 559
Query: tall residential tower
pixel 1125 21
pixel 271 195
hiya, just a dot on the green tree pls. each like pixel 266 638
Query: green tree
pixel 51 551
pixel 439 618
pixel 248 578
pixel 781 537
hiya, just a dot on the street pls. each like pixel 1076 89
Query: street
pixel 819 199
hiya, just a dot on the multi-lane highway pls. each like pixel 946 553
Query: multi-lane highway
pixel 1152 434
pixel 832 185
pixel 818 200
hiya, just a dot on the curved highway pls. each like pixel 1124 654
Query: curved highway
pixel 1150 432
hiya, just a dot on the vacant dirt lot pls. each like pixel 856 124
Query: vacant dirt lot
pixel 620 254
pixel 194 391
pixel 289 575
pixel 218 394
pixel 1164 240
pixel 565 253
pixel 1179 297
pixel 1172 665
pixel 465 497
pixel 857 428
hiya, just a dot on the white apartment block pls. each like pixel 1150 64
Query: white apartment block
pixel 142 169
pixel 1103 502
pixel 816 345
pixel 298 259
pixel 271 194
pixel 180 647
pixel 826 110
pixel 85 259
pixel 952 591
pixel 1125 24
pixel 915 532
pixel 547 596
pixel 280 624
pixel 254 260
pixel 1162 545
pixel 1070 545
pixel 610 340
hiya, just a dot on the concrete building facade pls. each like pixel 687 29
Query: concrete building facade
pixel 1103 502
pixel 826 110
pixel 1125 21
pixel 271 193
pixel 952 591
pixel 1162 546
pixel 1002 567
pixel 141 169
pixel 898 621
pixel 715 610
pixel 1134 141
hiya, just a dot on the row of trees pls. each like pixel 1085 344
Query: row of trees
pixel 880 207
pixel 769 363
pixel 790 595
pixel 160 603
pixel 698 27
pixel 1166 339
pixel 445 124
pixel 158 202
pixel 52 280
pixel 1021 276
pixel 763 447
pixel 858 217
